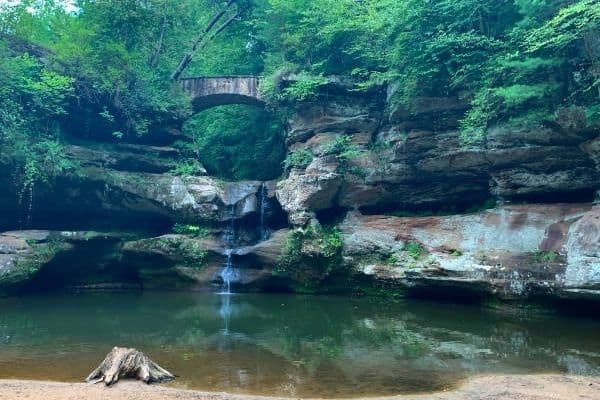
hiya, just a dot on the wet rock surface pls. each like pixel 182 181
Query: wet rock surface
pixel 509 252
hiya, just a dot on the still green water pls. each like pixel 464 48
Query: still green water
pixel 290 345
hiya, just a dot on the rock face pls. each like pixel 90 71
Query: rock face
pixel 305 192
pixel 407 162
pixel 25 254
pixel 372 162
pixel 413 162
pixel 582 275
pixel 21 256
pixel 133 186
pixel 183 262
pixel 184 198
pixel 509 252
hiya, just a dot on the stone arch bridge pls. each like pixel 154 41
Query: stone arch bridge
pixel 215 91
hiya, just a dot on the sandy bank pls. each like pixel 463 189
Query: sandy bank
pixel 495 387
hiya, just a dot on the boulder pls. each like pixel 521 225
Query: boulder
pixel 311 190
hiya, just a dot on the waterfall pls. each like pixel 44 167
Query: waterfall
pixel 228 272
pixel 264 207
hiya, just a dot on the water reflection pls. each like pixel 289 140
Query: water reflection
pixel 290 345
pixel 225 312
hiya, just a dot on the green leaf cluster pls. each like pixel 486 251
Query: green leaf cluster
pixel 311 255
pixel 298 159
pixel 191 230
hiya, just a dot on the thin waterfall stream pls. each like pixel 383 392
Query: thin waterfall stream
pixel 264 207
pixel 229 273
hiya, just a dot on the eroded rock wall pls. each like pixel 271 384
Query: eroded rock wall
pixel 512 215
pixel 508 252
pixel 417 161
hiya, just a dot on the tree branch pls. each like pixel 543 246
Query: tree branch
pixel 200 42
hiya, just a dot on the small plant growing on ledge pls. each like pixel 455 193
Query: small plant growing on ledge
pixel 191 230
pixel 344 150
pixel 187 168
pixel 311 255
pixel 298 159
pixel 542 256
pixel 414 249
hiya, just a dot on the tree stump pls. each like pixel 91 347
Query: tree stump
pixel 128 363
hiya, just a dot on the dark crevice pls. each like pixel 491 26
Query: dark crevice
pixel 576 196
pixel 89 264
pixel 331 216
pixel 471 205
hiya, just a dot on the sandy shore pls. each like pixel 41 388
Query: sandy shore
pixel 494 387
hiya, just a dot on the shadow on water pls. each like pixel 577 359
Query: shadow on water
pixel 290 345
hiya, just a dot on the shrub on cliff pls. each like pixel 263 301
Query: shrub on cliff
pixel 312 255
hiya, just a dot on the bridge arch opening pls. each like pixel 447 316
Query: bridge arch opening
pixel 239 141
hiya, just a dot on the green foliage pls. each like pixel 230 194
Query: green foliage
pixel 593 114
pixel 106 66
pixel 456 253
pixel 298 159
pixel 414 249
pixel 515 60
pixel 569 25
pixel 517 95
pixel 195 255
pixel 190 230
pixel 392 259
pixel 31 99
pixel 188 167
pixel 341 147
pixel 344 150
pixel 189 251
pixel 542 256
pixel 236 142
pixel 303 89
pixel 311 255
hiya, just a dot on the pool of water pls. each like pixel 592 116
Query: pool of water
pixel 290 345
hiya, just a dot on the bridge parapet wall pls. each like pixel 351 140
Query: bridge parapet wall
pixel 223 85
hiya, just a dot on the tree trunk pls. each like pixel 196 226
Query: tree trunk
pixel 185 61
pixel 128 363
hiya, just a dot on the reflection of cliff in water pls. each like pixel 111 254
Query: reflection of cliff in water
pixel 295 345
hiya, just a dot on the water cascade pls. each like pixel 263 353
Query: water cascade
pixel 228 272
pixel 264 207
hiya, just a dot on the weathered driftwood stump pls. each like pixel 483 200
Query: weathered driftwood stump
pixel 128 363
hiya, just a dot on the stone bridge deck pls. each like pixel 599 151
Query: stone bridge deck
pixel 214 91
